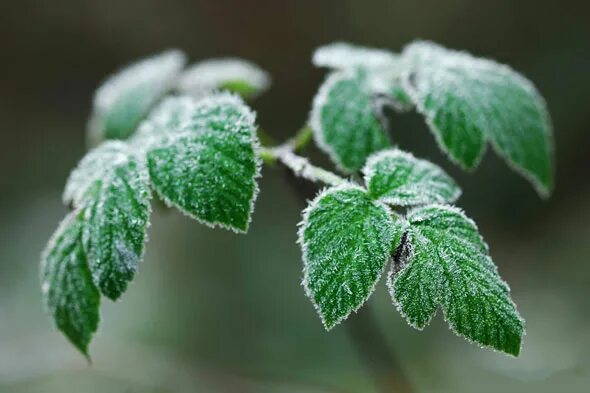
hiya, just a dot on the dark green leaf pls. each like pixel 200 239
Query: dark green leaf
pixel 209 170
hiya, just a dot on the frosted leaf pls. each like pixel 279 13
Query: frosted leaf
pixel 468 100
pixel 398 178
pixel 209 170
pixel 68 291
pixel 125 98
pixel 94 166
pixel 111 185
pixel 344 119
pixel 170 116
pixel 347 240
pixel 236 75
pixel 449 266
pixel 341 55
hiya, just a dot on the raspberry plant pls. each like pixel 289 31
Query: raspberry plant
pixel 187 136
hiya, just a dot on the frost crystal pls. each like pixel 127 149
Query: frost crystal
pixel 236 75
pixel 467 101
pixel 342 55
pixel 347 240
pixel 398 178
pixel 449 266
pixel 126 97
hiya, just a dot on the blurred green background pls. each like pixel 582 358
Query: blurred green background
pixel 211 311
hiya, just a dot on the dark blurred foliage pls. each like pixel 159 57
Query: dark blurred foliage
pixel 214 311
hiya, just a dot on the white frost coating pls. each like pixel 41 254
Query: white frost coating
pixel 301 241
pixel 429 175
pixel 208 75
pixel 420 214
pixel 342 55
pixel 301 167
pixel 157 73
pixel 97 164
pixel 248 119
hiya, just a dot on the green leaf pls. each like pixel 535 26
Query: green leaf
pixel 112 187
pixel 467 101
pixel 232 74
pixel 342 55
pixel 347 240
pixel 344 119
pixel 449 266
pixel 125 98
pixel 68 291
pixel 209 170
pixel 398 178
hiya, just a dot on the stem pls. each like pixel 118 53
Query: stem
pixel 301 166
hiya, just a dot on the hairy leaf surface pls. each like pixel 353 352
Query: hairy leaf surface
pixel 125 98
pixel 467 101
pixel 209 170
pixel 347 240
pixel 68 291
pixel 449 266
pixel 398 178
pixel 236 75
pixel 345 121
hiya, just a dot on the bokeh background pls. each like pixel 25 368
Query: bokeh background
pixel 211 311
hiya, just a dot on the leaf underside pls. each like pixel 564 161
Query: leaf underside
pixel 347 240
pixel 468 101
pixel 398 178
pixel 344 120
pixel 209 169
pixel 235 75
pixel 124 99
pixel 69 294
pixel 449 266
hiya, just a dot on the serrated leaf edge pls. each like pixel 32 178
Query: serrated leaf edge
pixel 229 98
pixel 300 240
pixel 451 325
pixel 540 188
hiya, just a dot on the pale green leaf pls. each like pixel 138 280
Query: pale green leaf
pixel 68 291
pixel 398 178
pixel 209 170
pixel 236 75
pixel 125 98
pixel 468 100
pixel 347 240
pixel 449 266
pixel 341 55
pixel 111 185
pixel 345 121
